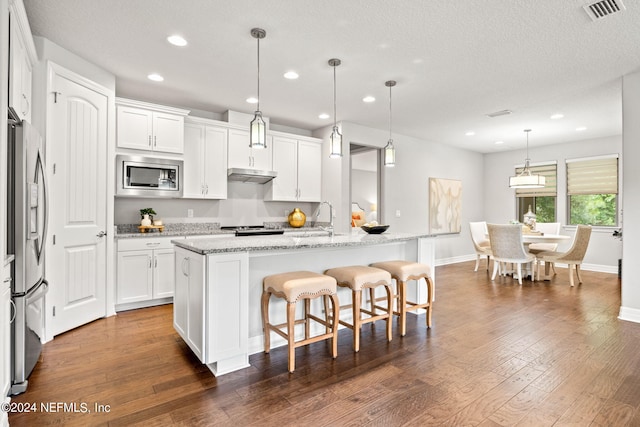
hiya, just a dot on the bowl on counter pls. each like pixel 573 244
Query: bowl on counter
pixel 375 229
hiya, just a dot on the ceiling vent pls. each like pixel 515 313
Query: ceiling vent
pixel 604 8
pixel 500 113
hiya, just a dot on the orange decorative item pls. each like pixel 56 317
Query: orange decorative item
pixel 297 218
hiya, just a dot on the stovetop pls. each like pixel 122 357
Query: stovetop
pixel 253 230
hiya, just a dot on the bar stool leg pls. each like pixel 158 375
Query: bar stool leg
pixel 291 318
pixel 372 298
pixel 389 311
pixel 402 288
pixel 356 297
pixel 335 310
pixel 307 304
pixel 325 301
pixel 265 321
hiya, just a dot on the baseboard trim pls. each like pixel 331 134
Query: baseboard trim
pixel 629 314
pixel 599 268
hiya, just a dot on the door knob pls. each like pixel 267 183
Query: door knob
pixel 101 234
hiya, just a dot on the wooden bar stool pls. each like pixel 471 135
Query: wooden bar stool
pixel 294 286
pixel 357 278
pixel 402 272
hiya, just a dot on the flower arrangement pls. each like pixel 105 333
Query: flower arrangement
pixel 147 211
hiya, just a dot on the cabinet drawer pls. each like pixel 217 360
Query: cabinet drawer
pixel 137 244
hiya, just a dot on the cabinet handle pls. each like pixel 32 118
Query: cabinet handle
pixel 151 244
pixel 155 141
pixel 206 191
pixel 149 258
pixel 26 104
pixel 149 140
pixel 13 309
pixel 184 271
pixel 155 262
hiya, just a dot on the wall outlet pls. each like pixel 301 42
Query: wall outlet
pixel 398 213
pixel 189 213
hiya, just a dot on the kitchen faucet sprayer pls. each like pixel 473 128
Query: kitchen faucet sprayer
pixel 315 215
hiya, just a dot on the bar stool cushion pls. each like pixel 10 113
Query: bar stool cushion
pixel 404 269
pixel 357 276
pixel 296 284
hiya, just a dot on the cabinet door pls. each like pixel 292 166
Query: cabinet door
pixel 215 163
pixel 168 133
pixel 181 292
pixel 134 128
pixel 163 273
pixel 309 171
pixel 262 158
pixel 238 151
pixel 195 310
pixel 285 186
pixel 193 163
pixel 135 276
pixel 19 75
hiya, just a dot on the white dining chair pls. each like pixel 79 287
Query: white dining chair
pixel 507 247
pixel 536 248
pixel 574 256
pixel 480 242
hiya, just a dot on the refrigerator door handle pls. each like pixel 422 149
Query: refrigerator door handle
pixel 38 292
pixel 40 241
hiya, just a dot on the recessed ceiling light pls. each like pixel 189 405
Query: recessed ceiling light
pixel 368 99
pixel 499 142
pixel 291 75
pixel 323 116
pixel 470 133
pixel 581 128
pixel 155 77
pixel 177 40
pixel 252 100
pixel 557 116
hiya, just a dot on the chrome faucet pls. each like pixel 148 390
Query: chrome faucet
pixel 330 228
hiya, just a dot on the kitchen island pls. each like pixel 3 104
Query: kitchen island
pixel 219 284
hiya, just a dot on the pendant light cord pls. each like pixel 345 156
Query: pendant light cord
pixel 258 104
pixel 390 86
pixel 334 97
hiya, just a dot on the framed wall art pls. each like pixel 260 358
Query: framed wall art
pixel 445 206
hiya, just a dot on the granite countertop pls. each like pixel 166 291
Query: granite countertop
pixel 280 242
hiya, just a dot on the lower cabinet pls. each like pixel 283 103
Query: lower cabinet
pixel 6 317
pixel 145 270
pixel 210 307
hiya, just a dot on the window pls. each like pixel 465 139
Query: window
pixel 592 190
pixel 541 200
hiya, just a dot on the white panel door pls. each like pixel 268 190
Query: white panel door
pixel 77 159
pixel 163 273
pixel 285 155
pixel 193 155
pixel 309 171
pixel 215 163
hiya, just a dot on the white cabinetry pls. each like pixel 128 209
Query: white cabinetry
pixel 205 160
pixel 22 56
pixel 143 126
pixel 298 163
pixel 145 271
pixel 244 157
pixel 219 338
pixel 189 300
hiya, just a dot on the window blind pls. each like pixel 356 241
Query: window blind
pixel 549 171
pixel 592 176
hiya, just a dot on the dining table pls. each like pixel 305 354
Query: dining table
pixel 529 238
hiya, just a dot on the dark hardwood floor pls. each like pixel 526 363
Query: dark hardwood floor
pixel 498 354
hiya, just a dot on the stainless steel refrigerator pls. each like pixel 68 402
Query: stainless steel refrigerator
pixel 27 231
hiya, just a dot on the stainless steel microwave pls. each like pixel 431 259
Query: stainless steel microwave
pixel 148 177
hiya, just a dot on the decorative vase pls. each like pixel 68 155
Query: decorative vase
pixel 297 218
pixel 146 221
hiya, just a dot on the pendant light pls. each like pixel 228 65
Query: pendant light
pixel 526 179
pixel 336 137
pixel 389 149
pixel 258 129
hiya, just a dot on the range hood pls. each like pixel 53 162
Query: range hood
pixel 250 175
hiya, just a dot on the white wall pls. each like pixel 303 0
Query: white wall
pixel 500 204
pixel 630 309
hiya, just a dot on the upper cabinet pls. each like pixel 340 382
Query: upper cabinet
pixel 150 127
pixel 298 163
pixel 242 156
pixel 205 160
pixel 22 57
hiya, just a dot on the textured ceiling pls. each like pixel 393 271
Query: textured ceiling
pixel 454 61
